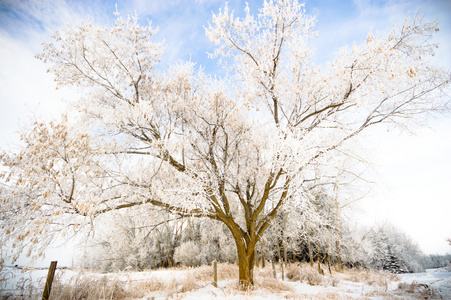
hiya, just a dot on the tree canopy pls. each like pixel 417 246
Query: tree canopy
pixel 233 149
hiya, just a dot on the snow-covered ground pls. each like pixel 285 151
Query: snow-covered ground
pixel 196 284
pixel 439 279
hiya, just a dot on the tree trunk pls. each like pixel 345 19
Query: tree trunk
pixel 246 260
pixel 339 261
pixel 309 245
pixel 251 267
pixel 279 255
pixel 245 266
pixel 293 251
pixel 328 263
pixel 284 239
pixel 256 258
pixel 337 232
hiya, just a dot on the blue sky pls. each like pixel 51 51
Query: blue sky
pixel 412 170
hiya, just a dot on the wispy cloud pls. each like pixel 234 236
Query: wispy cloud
pixel 25 87
pixel 341 23
pixel 31 20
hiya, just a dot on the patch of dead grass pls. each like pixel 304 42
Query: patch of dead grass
pixel 95 286
pixel 227 271
pixel 266 272
pixel 323 296
pixel 370 277
pixel 273 285
pixel 88 287
pixel 151 285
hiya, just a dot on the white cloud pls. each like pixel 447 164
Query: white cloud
pixel 412 191
pixel 25 89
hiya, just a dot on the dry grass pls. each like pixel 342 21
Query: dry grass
pixel 88 287
pixel 205 273
pixel 265 286
pixel 151 285
pixel 267 272
pixel 334 296
pixel 227 271
pixel 293 272
pixel 310 277
pixel 323 296
pixel 93 287
pixel 307 274
pixel 416 290
pixel 188 284
pixel 370 277
pixel 273 286
pixel 96 286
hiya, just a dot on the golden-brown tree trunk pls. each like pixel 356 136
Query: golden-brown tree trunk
pixel 246 259
pixel 245 266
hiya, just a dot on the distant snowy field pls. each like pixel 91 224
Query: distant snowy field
pixel 196 283
pixel 439 279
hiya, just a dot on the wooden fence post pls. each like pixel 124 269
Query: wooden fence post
pixel 48 283
pixel 215 274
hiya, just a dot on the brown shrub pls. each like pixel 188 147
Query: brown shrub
pixel 266 273
pixel 293 272
pixel 310 276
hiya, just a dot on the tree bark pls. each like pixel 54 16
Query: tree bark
pixel 245 247
pixel 279 255
pixel 245 266
pixel 309 245
pixel 337 232
pixel 339 261
pixel 256 258
pixel 284 239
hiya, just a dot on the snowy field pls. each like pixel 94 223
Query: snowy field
pixel 301 282
pixel 438 279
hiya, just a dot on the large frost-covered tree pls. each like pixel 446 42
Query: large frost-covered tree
pixel 235 149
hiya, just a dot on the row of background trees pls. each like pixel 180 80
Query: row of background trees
pixel 173 241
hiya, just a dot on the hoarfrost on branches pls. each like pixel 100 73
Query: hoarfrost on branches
pixel 235 149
